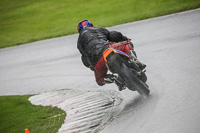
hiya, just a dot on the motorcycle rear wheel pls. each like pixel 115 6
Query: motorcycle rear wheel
pixel 120 65
pixel 132 82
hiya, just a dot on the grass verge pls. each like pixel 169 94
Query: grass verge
pixel 17 114
pixel 23 21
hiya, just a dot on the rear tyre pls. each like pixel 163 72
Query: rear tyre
pixel 132 82
pixel 118 64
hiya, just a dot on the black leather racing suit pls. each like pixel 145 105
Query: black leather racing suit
pixel 93 41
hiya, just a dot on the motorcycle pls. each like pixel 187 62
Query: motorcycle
pixel 126 71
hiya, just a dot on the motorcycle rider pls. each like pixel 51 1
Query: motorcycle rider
pixel 93 41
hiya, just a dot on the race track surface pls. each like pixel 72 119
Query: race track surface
pixel 169 45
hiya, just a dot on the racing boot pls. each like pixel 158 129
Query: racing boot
pixel 109 78
pixel 132 55
pixel 119 82
pixel 114 78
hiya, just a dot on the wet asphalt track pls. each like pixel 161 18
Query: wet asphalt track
pixel 169 45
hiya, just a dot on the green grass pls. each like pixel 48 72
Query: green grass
pixel 17 114
pixel 23 21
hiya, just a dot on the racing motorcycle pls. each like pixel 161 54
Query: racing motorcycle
pixel 126 71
